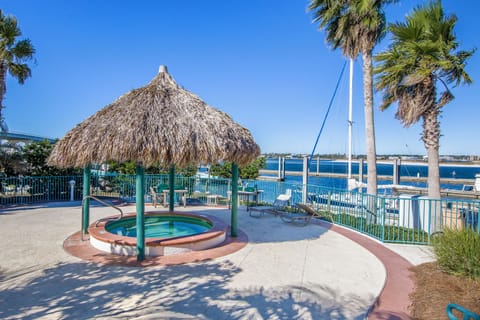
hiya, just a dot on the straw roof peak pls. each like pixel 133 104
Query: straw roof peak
pixel 160 123
pixel 162 68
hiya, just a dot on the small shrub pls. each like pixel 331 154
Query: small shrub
pixel 350 220
pixel 399 234
pixel 458 252
pixel 325 215
pixel 386 233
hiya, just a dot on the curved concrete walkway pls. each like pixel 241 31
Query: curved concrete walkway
pixel 284 272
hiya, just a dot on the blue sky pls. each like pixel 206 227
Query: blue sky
pixel 263 62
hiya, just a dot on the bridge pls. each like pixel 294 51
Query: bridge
pixel 23 137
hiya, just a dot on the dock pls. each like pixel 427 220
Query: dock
pixel 273 176
pixel 445 193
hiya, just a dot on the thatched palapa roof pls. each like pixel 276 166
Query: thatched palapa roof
pixel 160 123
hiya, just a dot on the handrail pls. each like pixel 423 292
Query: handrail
pixel 104 203
pixel 467 314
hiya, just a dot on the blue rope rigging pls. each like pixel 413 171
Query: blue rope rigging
pixel 328 110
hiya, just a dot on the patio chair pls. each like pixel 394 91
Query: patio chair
pixel 278 207
pixel 300 218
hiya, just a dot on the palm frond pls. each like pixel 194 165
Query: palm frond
pixel 22 50
pixel 20 71
pixel 9 31
pixel 422 52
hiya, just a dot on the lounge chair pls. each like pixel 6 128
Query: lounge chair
pixel 276 209
pixel 300 218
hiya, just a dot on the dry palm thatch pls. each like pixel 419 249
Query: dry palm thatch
pixel 160 123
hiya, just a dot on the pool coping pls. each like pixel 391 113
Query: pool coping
pixel 97 230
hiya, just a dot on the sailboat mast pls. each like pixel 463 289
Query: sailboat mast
pixel 350 120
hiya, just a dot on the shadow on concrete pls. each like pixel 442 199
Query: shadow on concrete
pixel 194 291
pixel 268 228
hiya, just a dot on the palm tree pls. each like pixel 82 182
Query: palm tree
pixel 12 161
pixel 356 26
pixel 423 55
pixel 13 55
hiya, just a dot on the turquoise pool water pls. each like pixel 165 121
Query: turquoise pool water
pixel 161 226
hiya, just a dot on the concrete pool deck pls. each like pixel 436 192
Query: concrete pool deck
pixel 320 271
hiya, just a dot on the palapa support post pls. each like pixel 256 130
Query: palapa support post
pixel 86 199
pixel 140 206
pixel 171 187
pixel 234 223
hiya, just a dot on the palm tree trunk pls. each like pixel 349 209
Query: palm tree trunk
pixel 369 122
pixel 433 173
pixel 3 73
pixel 431 139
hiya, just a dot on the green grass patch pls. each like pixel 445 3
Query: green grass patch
pixel 387 233
pixel 458 251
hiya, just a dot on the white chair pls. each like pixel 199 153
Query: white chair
pixel 277 208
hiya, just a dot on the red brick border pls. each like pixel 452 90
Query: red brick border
pixel 82 249
pixel 394 300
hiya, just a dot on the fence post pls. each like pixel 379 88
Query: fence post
pixel 383 212
pixel 140 206
pixel 171 182
pixel 86 199
pixel 478 217
pixel 329 201
pixel 234 223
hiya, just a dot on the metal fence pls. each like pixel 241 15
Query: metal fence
pixel 388 218
pixel 30 190
pixel 401 218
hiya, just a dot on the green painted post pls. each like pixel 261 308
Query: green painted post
pixel 86 200
pixel 384 213
pixel 234 222
pixel 171 187
pixel 140 202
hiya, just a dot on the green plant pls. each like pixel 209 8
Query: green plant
pixel 326 215
pixel 35 155
pixel 458 251
pixel 11 159
pixel 387 233
pixel 250 171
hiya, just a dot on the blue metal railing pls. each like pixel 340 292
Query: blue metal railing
pixel 388 218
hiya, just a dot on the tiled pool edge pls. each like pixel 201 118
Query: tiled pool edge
pixel 122 245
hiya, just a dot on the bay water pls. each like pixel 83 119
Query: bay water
pixel 408 169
